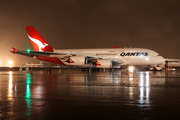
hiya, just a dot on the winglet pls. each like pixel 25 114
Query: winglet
pixel 15 50
pixel 115 47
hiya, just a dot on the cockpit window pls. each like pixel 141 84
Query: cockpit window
pixel 158 55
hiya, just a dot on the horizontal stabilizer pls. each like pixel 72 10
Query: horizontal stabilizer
pixel 15 50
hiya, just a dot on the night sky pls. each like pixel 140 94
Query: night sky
pixel 68 24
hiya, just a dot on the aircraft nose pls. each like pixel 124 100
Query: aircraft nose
pixel 161 59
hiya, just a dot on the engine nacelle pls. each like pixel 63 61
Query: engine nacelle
pixel 103 64
pixel 77 60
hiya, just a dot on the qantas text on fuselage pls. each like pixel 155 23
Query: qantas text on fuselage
pixel 134 54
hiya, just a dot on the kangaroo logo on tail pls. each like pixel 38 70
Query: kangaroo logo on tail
pixel 38 43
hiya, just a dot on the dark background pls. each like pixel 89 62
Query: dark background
pixel 68 24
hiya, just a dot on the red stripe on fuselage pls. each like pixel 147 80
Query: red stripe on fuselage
pixel 115 47
pixel 50 59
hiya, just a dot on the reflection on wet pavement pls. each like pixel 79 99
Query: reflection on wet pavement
pixel 65 94
pixel 27 97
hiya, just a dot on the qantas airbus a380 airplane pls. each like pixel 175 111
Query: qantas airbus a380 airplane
pixel 99 58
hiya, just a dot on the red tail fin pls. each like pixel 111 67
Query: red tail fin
pixel 37 40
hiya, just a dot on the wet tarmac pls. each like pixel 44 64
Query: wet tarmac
pixel 75 94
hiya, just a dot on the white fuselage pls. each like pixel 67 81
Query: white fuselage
pixel 129 56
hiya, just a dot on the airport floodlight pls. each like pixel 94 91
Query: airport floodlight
pixel 10 62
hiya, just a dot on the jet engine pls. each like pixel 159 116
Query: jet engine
pixel 103 63
pixel 77 60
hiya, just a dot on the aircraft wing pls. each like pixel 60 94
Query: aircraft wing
pixel 94 58
pixel 39 53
